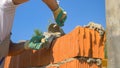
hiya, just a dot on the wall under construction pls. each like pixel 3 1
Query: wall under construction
pixel 69 51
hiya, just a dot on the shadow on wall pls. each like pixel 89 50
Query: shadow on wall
pixel 30 59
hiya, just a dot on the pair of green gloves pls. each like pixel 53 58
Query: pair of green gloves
pixel 36 42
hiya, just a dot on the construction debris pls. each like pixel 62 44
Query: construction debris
pixel 54 31
pixel 96 27
pixel 44 40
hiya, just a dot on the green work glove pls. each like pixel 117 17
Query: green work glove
pixel 35 43
pixel 60 16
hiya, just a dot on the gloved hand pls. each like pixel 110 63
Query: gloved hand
pixel 60 16
pixel 35 43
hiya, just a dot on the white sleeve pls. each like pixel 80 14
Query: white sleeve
pixel 7 4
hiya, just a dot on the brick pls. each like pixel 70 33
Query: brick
pixel 87 46
pixel 41 57
pixel 94 46
pixel 81 40
pixel 66 46
pixel 102 47
pixel 7 62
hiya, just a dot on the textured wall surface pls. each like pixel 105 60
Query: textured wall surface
pixel 63 52
pixel 113 32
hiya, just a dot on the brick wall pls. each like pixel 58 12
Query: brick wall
pixel 65 52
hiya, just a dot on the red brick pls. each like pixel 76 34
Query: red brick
pixel 7 62
pixel 87 42
pixel 81 40
pixel 94 47
pixel 40 58
pixel 66 46
pixel 101 47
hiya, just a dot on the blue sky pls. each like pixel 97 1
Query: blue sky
pixel 35 15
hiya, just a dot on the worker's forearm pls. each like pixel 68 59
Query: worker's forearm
pixel 16 49
pixel 16 2
pixel 52 4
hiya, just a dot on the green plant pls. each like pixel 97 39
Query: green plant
pixel 38 32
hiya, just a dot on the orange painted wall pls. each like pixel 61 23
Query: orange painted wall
pixel 80 42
